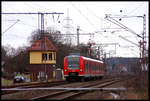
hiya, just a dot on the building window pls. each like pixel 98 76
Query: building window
pixel 44 56
pixel 54 56
pixel 50 56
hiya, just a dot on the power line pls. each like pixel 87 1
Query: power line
pixel 119 24
pixel 16 36
pixel 29 7
pixel 135 9
pixel 41 6
pixel 11 26
pixel 83 15
pixel 17 13
pixel 97 16
pixel 128 40
pixel 94 14
pixel 27 24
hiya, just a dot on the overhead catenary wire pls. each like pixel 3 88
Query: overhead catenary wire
pixel 29 9
pixel 86 17
pixel 11 26
pixel 16 36
pixel 101 21
pixel 121 25
pixel 83 15
pixel 98 17
pixel 135 9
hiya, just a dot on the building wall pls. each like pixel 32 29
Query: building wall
pixel 37 69
pixel 36 57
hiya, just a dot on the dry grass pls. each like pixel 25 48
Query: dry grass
pixel 6 82
pixel 140 85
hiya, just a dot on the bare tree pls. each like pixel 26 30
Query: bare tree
pixel 52 34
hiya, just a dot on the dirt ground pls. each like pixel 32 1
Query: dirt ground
pixel 140 90
pixel 134 95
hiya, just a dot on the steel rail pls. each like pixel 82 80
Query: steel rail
pixel 83 88
pixel 16 88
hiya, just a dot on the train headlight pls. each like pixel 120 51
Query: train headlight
pixel 65 70
pixel 80 70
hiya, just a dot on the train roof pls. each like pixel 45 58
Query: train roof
pixel 86 58
pixel 73 56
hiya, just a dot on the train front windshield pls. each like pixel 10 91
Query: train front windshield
pixel 73 62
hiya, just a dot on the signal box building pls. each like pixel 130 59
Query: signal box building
pixel 42 55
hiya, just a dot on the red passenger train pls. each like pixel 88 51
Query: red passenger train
pixel 82 68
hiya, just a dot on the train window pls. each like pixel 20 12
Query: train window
pixel 99 66
pixel 50 56
pixel 73 62
pixel 44 56
pixel 85 67
pixel 88 66
pixel 93 66
pixel 96 66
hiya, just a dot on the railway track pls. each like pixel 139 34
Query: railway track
pixel 70 93
pixel 44 84
pixel 60 91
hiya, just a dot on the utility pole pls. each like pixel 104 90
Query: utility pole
pixel 144 42
pixel 42 33
pixel 78 28
pixel 34 13
pixel 68 27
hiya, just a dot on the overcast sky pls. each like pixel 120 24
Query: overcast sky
pixel 88 15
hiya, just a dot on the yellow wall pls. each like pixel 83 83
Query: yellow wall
pixel 36 58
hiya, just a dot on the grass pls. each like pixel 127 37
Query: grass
pixel 5 82
pixel 140 85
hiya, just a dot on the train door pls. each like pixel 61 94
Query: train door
pixel 86 68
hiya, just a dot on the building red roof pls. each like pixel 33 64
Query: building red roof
pixel 37 45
